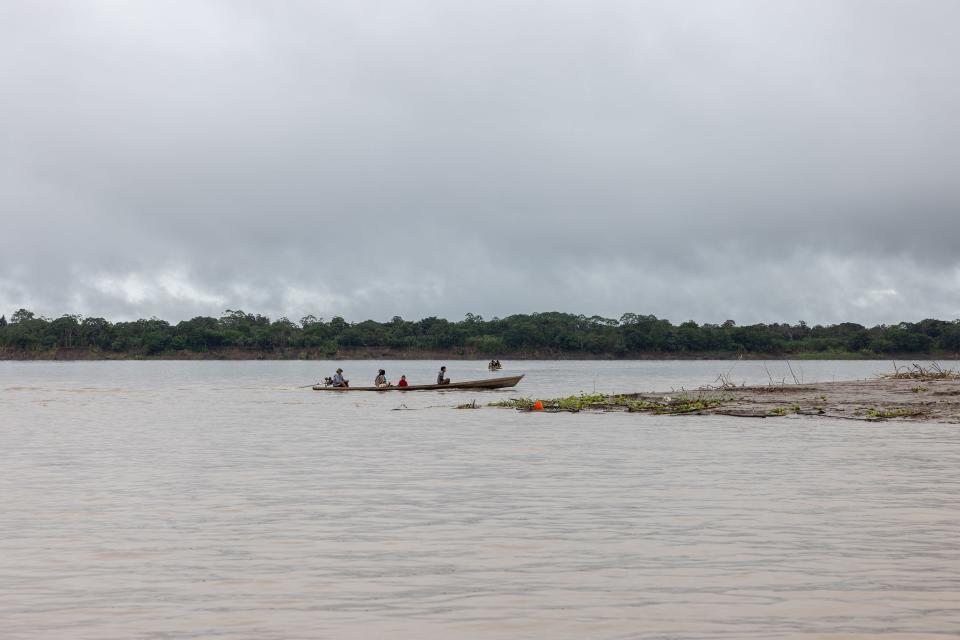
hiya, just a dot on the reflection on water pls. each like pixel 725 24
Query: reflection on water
pixel 180 500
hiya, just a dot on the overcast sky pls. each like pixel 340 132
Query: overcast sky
pixel 754 160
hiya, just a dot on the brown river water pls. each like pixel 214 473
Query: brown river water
pixel 164 500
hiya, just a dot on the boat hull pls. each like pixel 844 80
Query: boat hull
pixel 480 385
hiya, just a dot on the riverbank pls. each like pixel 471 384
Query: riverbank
pixel 64 354
pixel 927 399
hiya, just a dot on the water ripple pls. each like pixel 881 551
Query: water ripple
pixel 183 500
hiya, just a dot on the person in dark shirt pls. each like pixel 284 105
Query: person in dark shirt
pixel 441 379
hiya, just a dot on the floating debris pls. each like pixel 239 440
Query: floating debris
pixel 916 372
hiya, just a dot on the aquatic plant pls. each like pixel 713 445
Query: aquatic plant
pixel 513 403
pixel 898 412
pixel 782 411
pixel 601 402
pixel 686 404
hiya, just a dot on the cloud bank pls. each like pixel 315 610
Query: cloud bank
pixel 700 160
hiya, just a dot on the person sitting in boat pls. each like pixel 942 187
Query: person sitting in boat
pixel 381 379
pixel 441 376
pixel 403 382
pixel 338 380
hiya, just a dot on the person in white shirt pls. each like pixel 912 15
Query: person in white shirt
pixel 338 380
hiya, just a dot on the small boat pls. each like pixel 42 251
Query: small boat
pixel 489 383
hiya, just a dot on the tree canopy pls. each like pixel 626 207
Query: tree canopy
pixel 550 334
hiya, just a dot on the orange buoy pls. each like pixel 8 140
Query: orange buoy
pixel 538 406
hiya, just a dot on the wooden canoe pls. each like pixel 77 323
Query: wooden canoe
pixel 489 383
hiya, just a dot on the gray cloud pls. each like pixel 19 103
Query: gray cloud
pixel 703 160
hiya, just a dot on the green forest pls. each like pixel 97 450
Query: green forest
pixel 237 334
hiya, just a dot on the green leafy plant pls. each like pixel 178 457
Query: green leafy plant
pixel 600 402
pixel 782 411
pixel 686 404
pixel 898 412
pixel 513 403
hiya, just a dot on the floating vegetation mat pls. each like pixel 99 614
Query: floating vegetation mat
pixel 928 394
pixel 683 403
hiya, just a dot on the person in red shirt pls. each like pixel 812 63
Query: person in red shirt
pixel 403 381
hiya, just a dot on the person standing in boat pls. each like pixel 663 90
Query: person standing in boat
pixel 338 380
pixel 381 379
pixel 441 376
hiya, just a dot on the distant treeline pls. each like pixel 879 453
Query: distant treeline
pixel 538 334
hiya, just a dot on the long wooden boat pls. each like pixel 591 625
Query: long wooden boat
pixel 489 383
